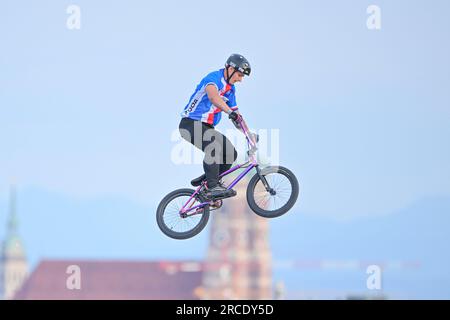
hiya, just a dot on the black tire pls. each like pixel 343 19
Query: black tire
pixel 256 181
pixel 162 207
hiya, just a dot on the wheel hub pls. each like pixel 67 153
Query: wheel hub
pixel 183 215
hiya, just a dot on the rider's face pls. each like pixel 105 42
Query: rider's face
pixel 237 76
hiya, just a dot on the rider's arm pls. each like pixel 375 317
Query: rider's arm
pixel 216 99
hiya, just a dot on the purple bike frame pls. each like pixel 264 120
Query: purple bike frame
pixel 251 163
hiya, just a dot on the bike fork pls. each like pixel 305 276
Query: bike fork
pixel 264 181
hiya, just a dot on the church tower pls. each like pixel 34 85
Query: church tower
pixel 239 262
pixel 13 264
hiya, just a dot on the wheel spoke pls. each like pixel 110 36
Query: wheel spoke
pixel 283 191
pixel 172 218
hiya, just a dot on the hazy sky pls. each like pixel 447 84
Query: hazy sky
pixel 87 117
pixel 363 114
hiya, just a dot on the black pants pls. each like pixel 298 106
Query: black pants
pixel 219 151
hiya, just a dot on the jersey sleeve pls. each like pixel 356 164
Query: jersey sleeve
pixel 211 79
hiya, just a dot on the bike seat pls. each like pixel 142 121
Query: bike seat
pixel 198 181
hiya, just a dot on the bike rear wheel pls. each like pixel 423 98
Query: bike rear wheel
pixel 281 197
pixel 172 223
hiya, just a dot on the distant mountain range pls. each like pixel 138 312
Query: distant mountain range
pixel 54 226
pixel 412 243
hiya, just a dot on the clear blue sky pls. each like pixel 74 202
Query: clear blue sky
pixel 363 115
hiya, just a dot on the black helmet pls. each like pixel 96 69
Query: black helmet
pixel 239 63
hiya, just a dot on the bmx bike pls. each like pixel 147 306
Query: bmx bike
pixel 271 192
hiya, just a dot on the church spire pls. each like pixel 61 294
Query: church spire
pixel 13 262
pixel 13 221
pixel 12 245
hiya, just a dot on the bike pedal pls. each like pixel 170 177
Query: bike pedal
pixel 222 197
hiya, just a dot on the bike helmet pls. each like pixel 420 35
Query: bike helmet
pixel 239 63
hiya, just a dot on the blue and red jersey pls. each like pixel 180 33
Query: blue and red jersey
pixel 199 106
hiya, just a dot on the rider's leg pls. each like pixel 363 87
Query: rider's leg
pixel 221 155
pixel 213 143
pixel 203 137
pixel 214 153
pixel 229 155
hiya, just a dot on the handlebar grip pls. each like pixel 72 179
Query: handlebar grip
pixel 255 136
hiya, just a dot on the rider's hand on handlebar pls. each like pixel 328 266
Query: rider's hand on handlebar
pixel 235 116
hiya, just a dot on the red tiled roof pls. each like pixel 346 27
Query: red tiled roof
pixel 114 280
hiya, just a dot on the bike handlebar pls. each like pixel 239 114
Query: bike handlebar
pixel 252 138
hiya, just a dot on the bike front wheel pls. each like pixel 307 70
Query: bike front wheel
pixel 273 192
pixel 178 226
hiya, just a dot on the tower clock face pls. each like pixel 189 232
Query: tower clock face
pixel 221 238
